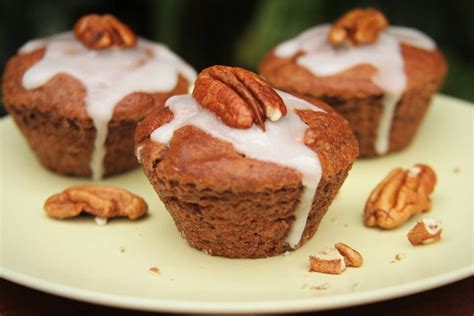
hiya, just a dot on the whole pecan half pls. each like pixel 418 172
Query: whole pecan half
pixel 400 195
pixel 103 31
pixel 101 201
pixel 238 97
pixel 357 27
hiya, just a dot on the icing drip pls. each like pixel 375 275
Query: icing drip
pixel 281 143
pixel 108 76
pixel 323 59
pixel 433 226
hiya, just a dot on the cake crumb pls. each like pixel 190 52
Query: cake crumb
pixel 320 287
pixel 286 253
pixel 154 270
pixel 456 170
pixel 355 285
pixel 101 221
pixel 333 219
pixel 122 249
pixel 398 257
pixel 345 225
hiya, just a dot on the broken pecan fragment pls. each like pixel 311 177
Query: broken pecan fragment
pixel 103 31
pixel 357 27
pixel 400 195
pixel 426 231
pixel 335 260
pixel 238 97
pixel 101 201
pixel 352 257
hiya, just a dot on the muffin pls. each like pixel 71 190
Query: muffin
pixel 380 78
pixel 77 97
pixel 245 171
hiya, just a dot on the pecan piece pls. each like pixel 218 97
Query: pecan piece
pixel 357 27
pixel 400 195
pixel 238 97
pixel 352 257
pixel 426 231
pixel 101 201
pixel 103 31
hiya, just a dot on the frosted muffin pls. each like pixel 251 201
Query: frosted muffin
pixel 245 171
pixel 380 78
pixel 77 97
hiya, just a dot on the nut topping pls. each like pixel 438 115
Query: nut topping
pixel 425 232
pixel 357 27
pixel 101 201
pixel 238 97
pixel 103 31
pixel 400 195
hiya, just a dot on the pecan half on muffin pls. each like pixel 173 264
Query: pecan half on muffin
pixel 78 96
pixel 380 78
pixel 245 171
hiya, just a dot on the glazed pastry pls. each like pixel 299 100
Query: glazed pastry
pixel 246 171
pixel 380 78
pixel 77 97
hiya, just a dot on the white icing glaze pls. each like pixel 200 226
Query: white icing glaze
pixel 281 143
pixel 414 171
pixel 101 221
pixel 108 76
pixel 323 59
pixel 432 225
pixel 138 152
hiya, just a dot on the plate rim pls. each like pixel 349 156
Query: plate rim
pixel 317 303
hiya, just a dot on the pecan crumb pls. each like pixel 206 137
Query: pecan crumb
pixel 335 260
pixel 400 256
pixel 154 270
pixel 320 287
pixel 426 231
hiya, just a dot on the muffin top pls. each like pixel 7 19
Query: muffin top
pixel 306 123
pixel 358 56
pixel 99 74
pixel 101 71
pixel 214 140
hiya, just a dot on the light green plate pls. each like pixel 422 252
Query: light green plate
pixel 81 260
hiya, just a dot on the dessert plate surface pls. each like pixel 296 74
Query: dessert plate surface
pixel 110 264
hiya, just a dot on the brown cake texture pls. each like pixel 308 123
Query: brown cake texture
pixel 230 205
pixel 353 94
pixel 54 120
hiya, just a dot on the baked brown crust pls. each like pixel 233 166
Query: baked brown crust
pixel 421 67
pixel 54 120
pixel 353 94
pixel 234 206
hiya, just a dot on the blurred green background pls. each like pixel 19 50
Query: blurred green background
pixel 207 32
